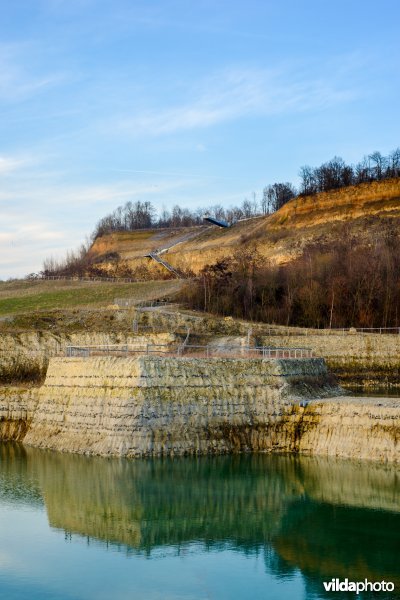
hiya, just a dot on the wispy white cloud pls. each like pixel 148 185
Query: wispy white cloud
pixel 237 93
pixel 27 233
pixel 41 219
pixel 47 219
pixel 69 197
pixel 9 164
pixel 26 242
pixel 18 80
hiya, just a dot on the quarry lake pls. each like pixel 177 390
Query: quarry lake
pixel 228 527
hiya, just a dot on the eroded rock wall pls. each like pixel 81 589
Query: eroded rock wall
pixel 357 359
pixel 361 428
pixel 17 407
pixel 25 356
pixel 151 406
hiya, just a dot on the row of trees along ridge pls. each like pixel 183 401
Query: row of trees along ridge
pixel 334 174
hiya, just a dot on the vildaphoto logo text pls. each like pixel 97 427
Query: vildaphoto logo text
pixel 336 585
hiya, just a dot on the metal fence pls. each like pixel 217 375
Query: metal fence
pixel 189 350
pixel 140 304
pixel 88 279
pixel 380 330
pixel 282 332
pixel 232 351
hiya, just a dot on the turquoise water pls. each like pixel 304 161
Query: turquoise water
pixel 223 528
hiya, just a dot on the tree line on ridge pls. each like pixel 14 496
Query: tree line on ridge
pixel 331 175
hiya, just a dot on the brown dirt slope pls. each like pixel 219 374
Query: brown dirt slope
pixel 361 211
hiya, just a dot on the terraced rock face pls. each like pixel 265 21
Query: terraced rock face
pixel 153 406
pixel 150 406
pixel 25 356
pixel 17 407
pixel 362 428
pixel 357 359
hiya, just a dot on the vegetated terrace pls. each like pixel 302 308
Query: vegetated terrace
pixel 22 296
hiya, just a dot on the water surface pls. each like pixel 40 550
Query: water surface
pixel 373 392
pixel 223 528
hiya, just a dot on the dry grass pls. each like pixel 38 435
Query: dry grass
pixel 280 237
pixel 135 244
pixel 127 244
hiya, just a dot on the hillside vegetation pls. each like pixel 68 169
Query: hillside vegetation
pixel 332 175
pixel 324 260
pixel 360 210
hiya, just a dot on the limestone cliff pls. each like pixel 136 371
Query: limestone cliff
pixel 356 358
pixel 25 356
pixel 150 406
pixel 17 406
pixel 353 427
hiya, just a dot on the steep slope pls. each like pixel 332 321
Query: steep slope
pixel 361 211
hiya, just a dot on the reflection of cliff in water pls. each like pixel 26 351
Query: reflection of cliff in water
pixel 18 484
pixel 151 503
pixel 329 518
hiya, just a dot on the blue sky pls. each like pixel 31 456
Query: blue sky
pixel 186 102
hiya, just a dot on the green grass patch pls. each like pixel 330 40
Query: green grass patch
pixel 21 297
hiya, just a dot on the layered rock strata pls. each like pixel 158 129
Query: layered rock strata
pixel 25 356
pixel 17 407
pixel 153 406
pixel 357 359
pixel 352 427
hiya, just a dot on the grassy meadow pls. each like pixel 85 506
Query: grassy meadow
pixel 30 296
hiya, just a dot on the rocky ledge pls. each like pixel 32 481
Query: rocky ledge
pixel 152 406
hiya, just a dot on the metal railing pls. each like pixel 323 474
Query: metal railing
pixel 235 351
pixel 185 343
pixel 155 256
pixel 88 279
pixel 139 304
pixel 283 332
pixel 379 330
pixel 190 351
